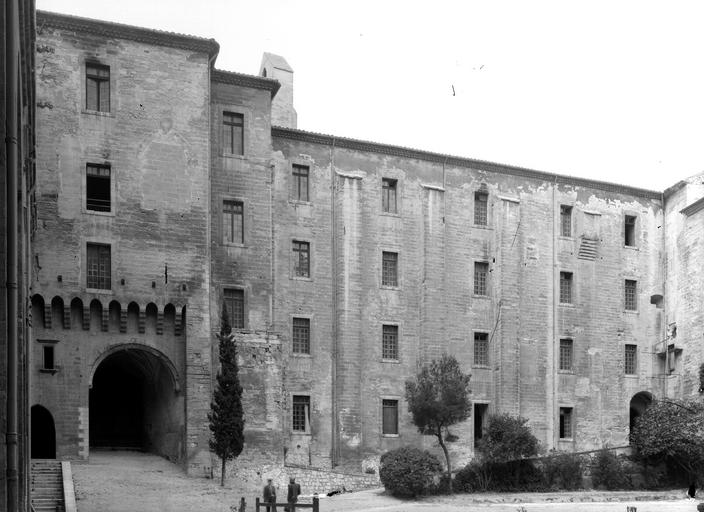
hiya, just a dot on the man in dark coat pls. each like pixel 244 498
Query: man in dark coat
pixel 270 496
pixel 294 490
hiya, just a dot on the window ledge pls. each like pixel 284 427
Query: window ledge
pixel 482 226
pixel 566 372
pixel 390 214
pixel 484 297
pixel 233 244
pixel 299 278
pixel 566 440
pixel 392 361
pixel 631 311
pixel 631 375
pixel 299 433
pixel 391 435
pixel 98 113
pixel 302 355
pixel 300 202
pixel 569 305
pixel 111 213
pixel 48 370
pixel 388 287
pixel 631 247
pixel 99 290
pixel 233 155
pixel 567 238
pixel 481 366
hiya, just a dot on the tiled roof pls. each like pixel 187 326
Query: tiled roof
pixel 253 81
pixel 130 32
pixel 457 161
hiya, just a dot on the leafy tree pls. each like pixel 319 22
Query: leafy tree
pixel 226 416
pixel 674 430
pixel 507 438
pixel 437 398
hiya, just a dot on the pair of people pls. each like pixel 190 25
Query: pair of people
pixel 294 490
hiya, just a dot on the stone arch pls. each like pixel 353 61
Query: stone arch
pixel 76 313
pixel 96 315
pixel 57 312
pixel 43 433
pixel 169 318
pixel 114 316
pixel 134 402
pixel 637 406
pixel 38 310
pixel 151 312
pixel 132 317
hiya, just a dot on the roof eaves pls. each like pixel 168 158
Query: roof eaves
pixel 255 82
pixel 693 208
pixel 440 158
pixel 129 32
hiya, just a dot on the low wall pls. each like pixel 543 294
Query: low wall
pixel 323 481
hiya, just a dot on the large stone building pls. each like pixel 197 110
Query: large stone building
pixel 167 188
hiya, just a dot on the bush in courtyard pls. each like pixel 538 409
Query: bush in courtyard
pixel 608 471
pixel 563 471
pixel 408 472
pixel 511 476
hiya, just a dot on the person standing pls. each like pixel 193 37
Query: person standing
pixel 270 496
pixel 294 490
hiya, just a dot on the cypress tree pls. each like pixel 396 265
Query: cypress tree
pixel 226 416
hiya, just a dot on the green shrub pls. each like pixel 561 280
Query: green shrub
pixel 408 472
pixel 563 471
pixel 608 471
pixel 469 478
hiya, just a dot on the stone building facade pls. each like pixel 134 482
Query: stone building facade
pixel 168 188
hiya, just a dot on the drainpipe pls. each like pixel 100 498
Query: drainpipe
pixel 11 99
pixel 552 353
pixel 333 371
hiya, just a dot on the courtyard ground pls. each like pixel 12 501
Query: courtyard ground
pixel 139 482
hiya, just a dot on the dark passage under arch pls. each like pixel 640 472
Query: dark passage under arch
pixel 134 404
pixel 639 403
pixel 43 437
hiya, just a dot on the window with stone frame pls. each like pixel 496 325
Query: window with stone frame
pixel 481 349
pixel 99 266
pixel 389 342
pixel 481 208
pixel 300 182
pixel 97 87
pixel 629 231
pixel 234 303
pixel 566 425
pixel 233 133
pixel 631 359
pixel 566 287
pixel 631 295
pixel 300 414
pixel 389 415
pixel 389 268
pixel 301 259
pixel 388 195
pixel 300 336
pixel 566 345
pixel 98 187
pixel 48 357
pixel 233 221
pixel 566 220
pixel 481 276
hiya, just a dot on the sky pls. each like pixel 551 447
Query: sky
pixel 607 90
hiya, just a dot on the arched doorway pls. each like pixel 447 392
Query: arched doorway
pixel 43 433
pixel 135 404
pixel 639 403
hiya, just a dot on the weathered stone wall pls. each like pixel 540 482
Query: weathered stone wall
pixel 156 140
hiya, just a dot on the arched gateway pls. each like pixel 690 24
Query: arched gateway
pixel 43 438
pixel 639 403
pixel 135 402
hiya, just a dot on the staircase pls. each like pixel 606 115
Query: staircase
pixel 47 486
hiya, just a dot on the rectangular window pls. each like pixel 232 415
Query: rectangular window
pixel 233 221
pixel 98 271
pixel 566 220
pixel 301 259
pixel 388 195
pixel 233 133
pixel 480 413
pixel 566 287
pixel 481 272
pixel 98 187
pixel 566 355
pixel 481 349
pixel 300 417
pixel 389 417
pixel 97 87
pixel 301 336
pixel 234 303
pixel 299 184
pixel 630 231
pixel 631 362
pixel 389 342
pixel 48 351
pixel 389 268
pixel 631 295
pixel 481 201
pixel 565 422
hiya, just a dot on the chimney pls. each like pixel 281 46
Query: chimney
pixel 282 111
